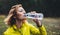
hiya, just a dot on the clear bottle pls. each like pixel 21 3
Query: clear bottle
pixel 38 16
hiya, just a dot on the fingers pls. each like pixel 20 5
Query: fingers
pixel 11 11
pixel 33 12
pixel 35 20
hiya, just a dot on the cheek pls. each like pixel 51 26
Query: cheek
pixel 20 15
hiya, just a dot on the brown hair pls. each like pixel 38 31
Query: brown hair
pixel 10 20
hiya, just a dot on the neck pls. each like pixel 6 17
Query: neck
pixel 19 23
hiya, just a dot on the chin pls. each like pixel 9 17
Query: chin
pixel 22 19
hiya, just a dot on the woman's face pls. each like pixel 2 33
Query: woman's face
pixel 20 12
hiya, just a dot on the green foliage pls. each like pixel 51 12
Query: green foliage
pixel 50 8
pixel 2 25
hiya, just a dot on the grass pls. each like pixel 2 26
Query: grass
pixel 2 24
pixel 52 25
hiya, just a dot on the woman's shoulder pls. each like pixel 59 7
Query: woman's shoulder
pixel 8 30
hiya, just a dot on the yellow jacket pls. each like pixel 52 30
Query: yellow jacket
pixel 26 29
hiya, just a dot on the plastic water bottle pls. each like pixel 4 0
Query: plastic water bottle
pixel 38 16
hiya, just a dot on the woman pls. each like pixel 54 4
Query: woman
pixel 18 24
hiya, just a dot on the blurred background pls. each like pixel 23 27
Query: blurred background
pixel 50 9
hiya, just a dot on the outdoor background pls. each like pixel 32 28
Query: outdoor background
pixel 50 9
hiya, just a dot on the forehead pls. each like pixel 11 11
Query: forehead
pixel 20 8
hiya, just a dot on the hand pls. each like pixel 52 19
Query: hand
pixel 38 22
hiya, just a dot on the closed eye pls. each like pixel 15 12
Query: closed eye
pixel 21 10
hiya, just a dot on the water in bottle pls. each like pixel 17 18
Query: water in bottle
pixel 38 16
